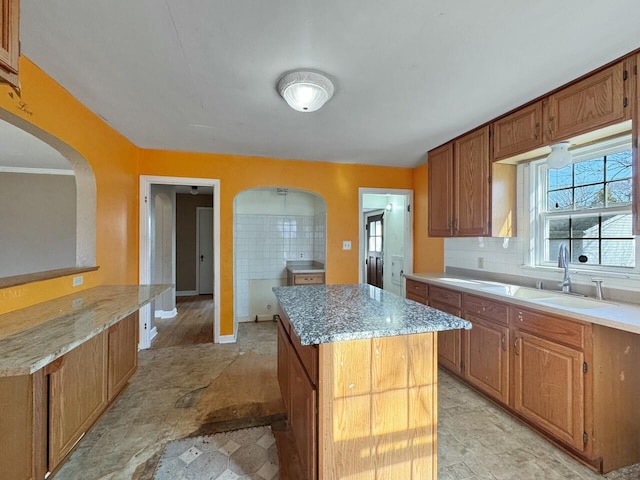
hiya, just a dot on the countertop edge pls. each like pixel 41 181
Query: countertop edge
pixel 524 303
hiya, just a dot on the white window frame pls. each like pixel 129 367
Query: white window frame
pixel 539 188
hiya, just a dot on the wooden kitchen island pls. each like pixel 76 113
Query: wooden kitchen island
pixel 357 367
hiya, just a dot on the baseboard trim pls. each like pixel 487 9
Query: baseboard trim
pixel 166 313
pixel 228 338
pixel 153 334
pixel 187 293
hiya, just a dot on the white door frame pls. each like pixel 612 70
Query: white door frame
pixel 198 209
pixel 145 245
pixel 408 227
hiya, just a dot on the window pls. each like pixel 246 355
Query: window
pixel 588 205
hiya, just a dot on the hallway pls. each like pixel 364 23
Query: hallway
pixel 192 326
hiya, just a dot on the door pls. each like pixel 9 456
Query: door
pixel 205 250
pixel 375 261
pixel 549 387
pixel 440 191
pixel 519 132
pixel 471 184
pixel 486 350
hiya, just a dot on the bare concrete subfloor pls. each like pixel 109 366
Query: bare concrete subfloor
pixel 180 392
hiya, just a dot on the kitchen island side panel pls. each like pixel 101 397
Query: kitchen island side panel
pixel 378 408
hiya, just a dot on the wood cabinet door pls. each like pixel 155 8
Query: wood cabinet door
pixel 9 40
pixel 283 365
pixel 77 395
pixel 302 416
pixel 440 191
pixel 449 342
pixel 123 354
pixel 471 184
pixel 549 387
pixel 596 101
pixel 518 133
pixel 486 353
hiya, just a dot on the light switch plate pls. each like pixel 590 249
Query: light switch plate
pixel 346 244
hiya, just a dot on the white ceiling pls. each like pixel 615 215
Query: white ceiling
pixel 200 75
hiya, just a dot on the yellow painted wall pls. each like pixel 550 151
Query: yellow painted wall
pixel 46 105
pixel 337 183
pixel 428 253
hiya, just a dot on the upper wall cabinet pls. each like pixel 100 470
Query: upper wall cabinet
pixel 441 191
pixel 471 184
pixel 9 41
pixel 519 132
pixel 597 101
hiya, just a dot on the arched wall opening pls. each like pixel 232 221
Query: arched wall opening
pixel 51 204
pixel 273 226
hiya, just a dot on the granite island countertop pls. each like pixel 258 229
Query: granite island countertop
pixel 35 336
pixel 334 313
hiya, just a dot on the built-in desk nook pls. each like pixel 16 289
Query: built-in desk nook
pixel 62 363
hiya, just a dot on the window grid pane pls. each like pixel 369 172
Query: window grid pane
pixel 598 239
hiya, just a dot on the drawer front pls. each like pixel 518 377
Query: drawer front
pixel 444 295
pixel 308 355
pixel 489 309
pixel 416 298
pixel 417 289
pixel 567 332
pixel 445 308
pixel 308 279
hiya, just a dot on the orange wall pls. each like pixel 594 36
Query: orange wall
pixel 46 105
pixel 428 253
pixel 116 163
pixel 337 183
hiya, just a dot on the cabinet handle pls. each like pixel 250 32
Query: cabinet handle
pixel 551 126
pixel 536 132
pixel 502 341
pixel 455 225
pixel 515 346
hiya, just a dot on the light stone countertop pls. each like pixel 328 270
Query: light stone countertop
pixel 33 337
pixel 623 316
pixel 334 313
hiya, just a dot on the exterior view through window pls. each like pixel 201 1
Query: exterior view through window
pixel 588 205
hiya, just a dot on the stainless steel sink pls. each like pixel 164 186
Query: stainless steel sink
pixel 518 292
pixel 579 303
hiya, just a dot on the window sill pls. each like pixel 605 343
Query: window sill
pixel 16 280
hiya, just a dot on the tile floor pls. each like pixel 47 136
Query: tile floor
pixel 193 391
pixel 478 441
pixel 245 454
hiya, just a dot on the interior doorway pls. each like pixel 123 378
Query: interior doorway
pixel 375 243
pixel 386 237
pixel 205 309
pixel 204 250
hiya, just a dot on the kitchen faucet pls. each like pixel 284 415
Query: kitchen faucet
pixel 563 262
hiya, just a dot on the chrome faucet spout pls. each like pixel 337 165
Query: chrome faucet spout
pixel 563 262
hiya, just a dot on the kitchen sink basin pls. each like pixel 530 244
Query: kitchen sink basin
pixel 458 281
pixel 579 303
pixel 517 292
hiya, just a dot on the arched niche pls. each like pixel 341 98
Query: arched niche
pixel 273 226
pixel 82 232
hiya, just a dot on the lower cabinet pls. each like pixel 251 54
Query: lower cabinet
pixel 45 414
pixel 300 397
pixel 549 387
pixel 77 395
pixel 575 382
pixel 486 350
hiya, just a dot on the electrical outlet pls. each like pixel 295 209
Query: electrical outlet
pixel 346 244
pixel 480 262
pixel 78 280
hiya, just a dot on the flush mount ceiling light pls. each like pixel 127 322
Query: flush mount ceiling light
pixel 194 190
pixel 560 155
pixel 305 91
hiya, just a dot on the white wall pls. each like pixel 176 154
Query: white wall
pixel 269 230
pixel 37 223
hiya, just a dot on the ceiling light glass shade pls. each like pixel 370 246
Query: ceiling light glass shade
pixel 560 155
pixel 305 91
